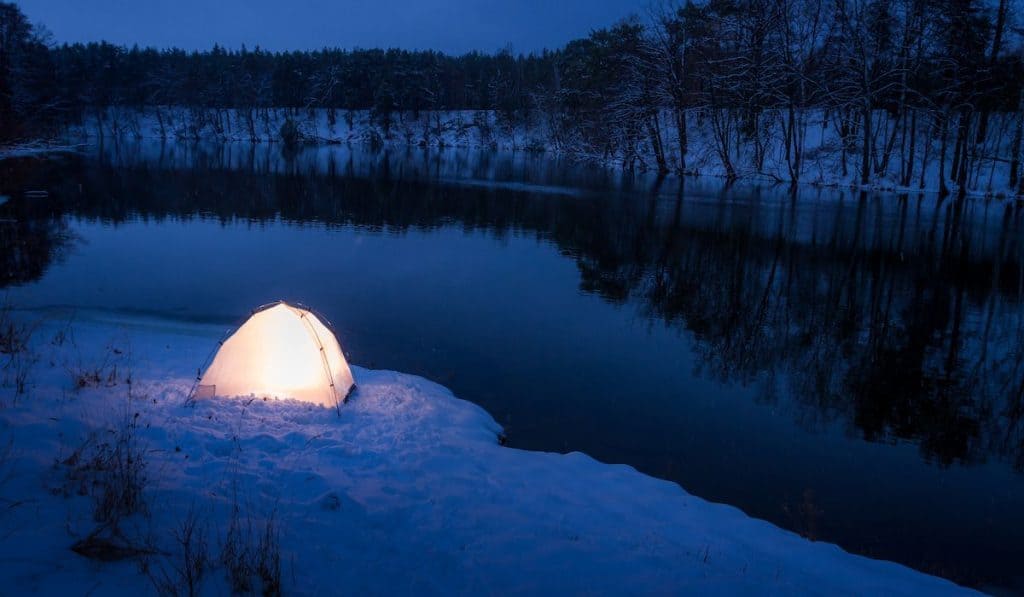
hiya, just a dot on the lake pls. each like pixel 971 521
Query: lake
pixel 846 365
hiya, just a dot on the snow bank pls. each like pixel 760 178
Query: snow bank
pixel 37 148
pixel 407 492
pixel 824 161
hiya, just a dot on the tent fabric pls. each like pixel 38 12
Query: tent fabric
pixel 281 351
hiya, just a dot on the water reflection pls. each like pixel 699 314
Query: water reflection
pixel 32 233
pixel 901 315
pixel 896 318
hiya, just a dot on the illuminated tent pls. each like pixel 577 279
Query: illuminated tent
pixel 281 351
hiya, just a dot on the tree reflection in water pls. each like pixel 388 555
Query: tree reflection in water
pixel 899 315
pixel 32 233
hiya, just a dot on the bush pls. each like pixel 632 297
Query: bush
pixel 110 465
pixel 14 336
pixel 290 134
pixel 182 574
pixel 113 471
pixel 14 344
pixel 252 560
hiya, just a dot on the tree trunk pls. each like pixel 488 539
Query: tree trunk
pixel 790 165
pixel 865 169
pixel 1015 147
pixel 927 152
pixel 722 141
pixel 908 171
pixel 160 122
pixel 955 166
pixel 943 145
pixel 799 136
pixel 963 128
pixel 997 41
pixel 681 132
pixel 844 131
pixel 659 150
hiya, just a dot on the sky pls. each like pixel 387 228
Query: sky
pixel 453 26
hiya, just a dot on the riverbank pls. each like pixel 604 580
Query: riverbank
pixel 409 491
pixel 37 148
pixel 825 159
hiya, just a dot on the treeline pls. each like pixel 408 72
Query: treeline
pixel 920 93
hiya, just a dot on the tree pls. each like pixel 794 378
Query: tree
pixel 28 92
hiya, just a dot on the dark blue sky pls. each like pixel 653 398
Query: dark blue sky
pixel 448 25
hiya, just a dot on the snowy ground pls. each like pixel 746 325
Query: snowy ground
pixel 820 140
pixel 21 150
pixel 407 492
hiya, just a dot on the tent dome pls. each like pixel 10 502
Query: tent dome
pixel 281 351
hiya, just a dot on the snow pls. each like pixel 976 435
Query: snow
pixel 820 139
pixel 38 148
pixel 408 491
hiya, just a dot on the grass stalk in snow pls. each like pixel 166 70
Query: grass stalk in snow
pixel 122 464
pixel 252 560
pixel 111 466
pixel 182 573
pixel 14 345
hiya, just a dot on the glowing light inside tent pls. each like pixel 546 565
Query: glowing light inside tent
pixel 281 352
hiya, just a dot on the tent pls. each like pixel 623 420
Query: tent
pixel 281 351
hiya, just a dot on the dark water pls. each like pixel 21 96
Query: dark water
pixel 849 366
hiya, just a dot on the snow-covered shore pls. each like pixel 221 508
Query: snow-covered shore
pixel 407 492
pixel 20 150
pixel 824 162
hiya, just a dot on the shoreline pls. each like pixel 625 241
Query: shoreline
pixel 409 478
pixel 470 129
pixel 30 149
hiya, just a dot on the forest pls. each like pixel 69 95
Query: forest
pixel 910 94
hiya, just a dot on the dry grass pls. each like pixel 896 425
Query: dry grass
pixel 252 559
pixel 182 573
pixel 14 335
pixel 14 346
pixel 104 374
pixel 110 465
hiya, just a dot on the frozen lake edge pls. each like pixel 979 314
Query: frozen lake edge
pixel 408 491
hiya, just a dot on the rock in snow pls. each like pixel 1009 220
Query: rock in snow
pixel 407 492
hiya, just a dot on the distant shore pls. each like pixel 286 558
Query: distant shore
pixel 823 161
